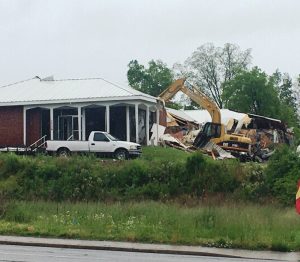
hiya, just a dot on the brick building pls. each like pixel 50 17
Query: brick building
pixel 70 109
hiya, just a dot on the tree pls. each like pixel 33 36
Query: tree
pixel 152 80
pixel 210 67
pixel 252 92
pixel 288 103
pixel 297 95
pixel 285 90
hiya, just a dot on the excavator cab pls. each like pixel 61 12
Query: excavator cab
pixel 209 131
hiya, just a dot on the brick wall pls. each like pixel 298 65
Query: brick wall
pixel 11 126
pixel 33 125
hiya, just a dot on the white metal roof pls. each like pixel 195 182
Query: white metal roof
pixel 182 114
pixel 45 91
pixel 202 116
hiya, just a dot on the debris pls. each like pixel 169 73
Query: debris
pixel 190 137
pixel 265 133
pixel 213 148
pixel 245 121
pixel 179 124
pixel 262 154
pixel 180 118
pixel 156 132
pixel 171 141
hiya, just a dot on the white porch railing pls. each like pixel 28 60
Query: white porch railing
pixel 38 144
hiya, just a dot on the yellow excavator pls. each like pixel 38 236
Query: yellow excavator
pixel 213 131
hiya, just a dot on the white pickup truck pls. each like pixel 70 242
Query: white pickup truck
pixel 98 143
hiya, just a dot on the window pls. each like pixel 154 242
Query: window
pixel 100 137
pixel 212 129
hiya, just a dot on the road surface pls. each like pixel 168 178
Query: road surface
pixel 11 253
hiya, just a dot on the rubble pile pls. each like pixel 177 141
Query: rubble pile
pixel 169 140
pixel 265 133
pixel 216 151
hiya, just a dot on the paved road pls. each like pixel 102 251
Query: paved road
pixel 10 253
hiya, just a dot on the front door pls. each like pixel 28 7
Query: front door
pixel 68 128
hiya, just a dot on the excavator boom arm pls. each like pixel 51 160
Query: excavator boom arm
pixel 196 95
pixel 172 90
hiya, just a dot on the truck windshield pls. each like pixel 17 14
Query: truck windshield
pixel 112 138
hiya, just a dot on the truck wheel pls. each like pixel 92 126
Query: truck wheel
pixel 121 154
pixel 63 152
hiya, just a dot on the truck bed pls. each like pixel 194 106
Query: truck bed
pixel 74 146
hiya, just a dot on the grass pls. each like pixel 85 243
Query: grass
pixel 152 153
pixel 217 223
pixel 228 225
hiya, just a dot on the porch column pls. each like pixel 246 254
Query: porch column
pixel 24 125
pixel 127 124
pixel 51 124
pixel 83 125
pixel 147 125
pixel 107 119
pixel 136 107
pixel 79 123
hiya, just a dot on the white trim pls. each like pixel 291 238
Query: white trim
pixel 24 125
pixel 136 111
pixel 86 104
pixel 79 100
pixel 147 125
pixel 79 123
pixel 83 125
pixel 127 124
pixel 51 124
pixel 107 119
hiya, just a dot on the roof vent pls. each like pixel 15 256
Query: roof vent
pixel 48 78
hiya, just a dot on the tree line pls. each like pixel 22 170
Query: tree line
pixel 225 74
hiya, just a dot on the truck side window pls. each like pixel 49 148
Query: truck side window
pixel 100 137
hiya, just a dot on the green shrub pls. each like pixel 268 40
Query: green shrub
pixel 253 185
pixel 89 179
pixel 85 178
pixel 9 187
pixel 207 175
pixel 283 172
pixel 10 164
pixel 17 213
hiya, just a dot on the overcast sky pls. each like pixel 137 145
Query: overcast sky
pixel 97 38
